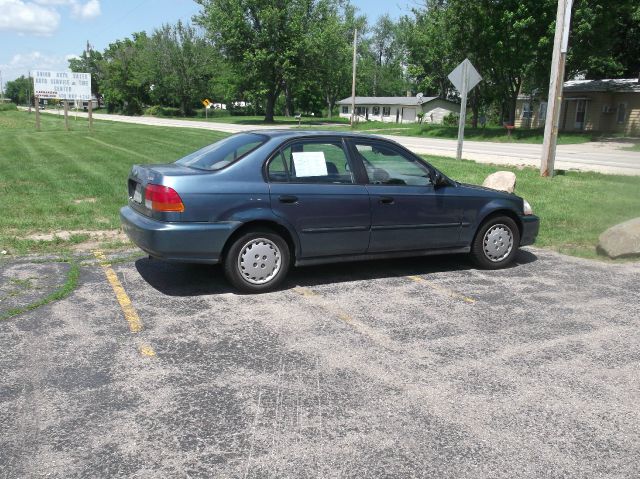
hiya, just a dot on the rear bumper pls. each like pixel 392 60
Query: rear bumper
pixel 530 227
pixel 183 242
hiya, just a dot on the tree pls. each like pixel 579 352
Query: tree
pixel 89 62
pixel 330 54
pixel 264 42
pixel 126 84
pixel 386 47
pixel 605 39
pixel 180 63
pixel 19 90
pixel 429 43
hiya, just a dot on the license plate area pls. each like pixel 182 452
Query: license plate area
pixel 137 194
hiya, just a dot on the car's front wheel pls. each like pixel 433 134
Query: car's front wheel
pixel 257 261
pixel 496 243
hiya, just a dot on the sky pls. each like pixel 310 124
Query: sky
pixel 44 34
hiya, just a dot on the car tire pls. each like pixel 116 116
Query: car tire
pixel 257 261
pixel 496 243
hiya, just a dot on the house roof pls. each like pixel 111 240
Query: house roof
pixel 388 100
pixel 612 85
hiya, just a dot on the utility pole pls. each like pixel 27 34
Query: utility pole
pixel 353 82
pixel 556 82
pixel 29 93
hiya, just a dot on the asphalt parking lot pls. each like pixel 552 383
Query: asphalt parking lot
pixel 414 368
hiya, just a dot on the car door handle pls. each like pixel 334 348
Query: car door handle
pixel 288 199
pixel 386 200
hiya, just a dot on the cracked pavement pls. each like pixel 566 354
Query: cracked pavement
pixel 409 368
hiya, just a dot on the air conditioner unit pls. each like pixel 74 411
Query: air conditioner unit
pixel 607 109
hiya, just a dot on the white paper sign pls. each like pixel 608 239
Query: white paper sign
pixel 62 85
pixel 309 163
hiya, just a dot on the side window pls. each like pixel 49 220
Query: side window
pixel 387 166
pixel 311 162
pixel 277 170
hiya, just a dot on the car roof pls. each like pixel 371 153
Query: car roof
pixel 291 133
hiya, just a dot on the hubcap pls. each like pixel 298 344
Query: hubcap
pixel 498 242
pixel 259 261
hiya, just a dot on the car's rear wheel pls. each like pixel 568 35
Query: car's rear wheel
pixel 496 243
pixel 257 261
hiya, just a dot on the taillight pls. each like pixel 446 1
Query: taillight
pixel 162 198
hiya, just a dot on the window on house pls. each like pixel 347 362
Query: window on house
pixel 543 111
pixel 622 113
pixel 580 112
pixel 345 109
pixel 376 110
pixel 386 111
pixel 526 110
pixel 361 111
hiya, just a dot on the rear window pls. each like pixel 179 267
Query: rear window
pixel 224 152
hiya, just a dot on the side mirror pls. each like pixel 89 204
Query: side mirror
pixel 438 179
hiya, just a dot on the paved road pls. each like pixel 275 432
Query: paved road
pixel 405 369
pixel 604 157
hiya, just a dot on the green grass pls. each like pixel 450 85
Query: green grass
pixel 70 283
pixel 44 172
pixel 494 134
pixel 635 147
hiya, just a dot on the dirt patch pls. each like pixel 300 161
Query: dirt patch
pixel 84 200
pixel 95 237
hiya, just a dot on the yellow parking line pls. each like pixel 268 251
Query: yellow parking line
pixel 442 289
pixel 304 291
pixel 146 350
pixel 130 314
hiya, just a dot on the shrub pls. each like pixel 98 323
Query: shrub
pixel 152 110
pixel 213 113
pixel 451 119
pixel 8 107
pixel 159 110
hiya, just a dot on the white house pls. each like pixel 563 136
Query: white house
pixel 399 109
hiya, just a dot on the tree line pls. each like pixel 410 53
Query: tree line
pixel 294 56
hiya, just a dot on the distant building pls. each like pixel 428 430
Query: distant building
pixel 588 105
pixel 398 109
pixel 84 104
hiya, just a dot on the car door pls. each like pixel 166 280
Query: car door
pixel 313 188
pixel 407 211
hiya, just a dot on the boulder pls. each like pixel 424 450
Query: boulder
pixel 621 240
pixel 501 181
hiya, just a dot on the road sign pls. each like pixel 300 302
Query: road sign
pixel 458 73
pixel 62 85
pixel 206 102
pixel 464 77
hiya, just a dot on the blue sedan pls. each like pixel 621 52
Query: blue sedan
pixel 260 202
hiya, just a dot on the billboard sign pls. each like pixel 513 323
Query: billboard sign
pixel 62 85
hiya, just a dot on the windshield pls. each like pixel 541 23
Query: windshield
pixel 224 152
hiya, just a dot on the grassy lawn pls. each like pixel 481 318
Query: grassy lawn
pixel 490 133
pixel 635 147
pixel 55 180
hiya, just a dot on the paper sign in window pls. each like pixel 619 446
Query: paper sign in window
pixel 309 163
